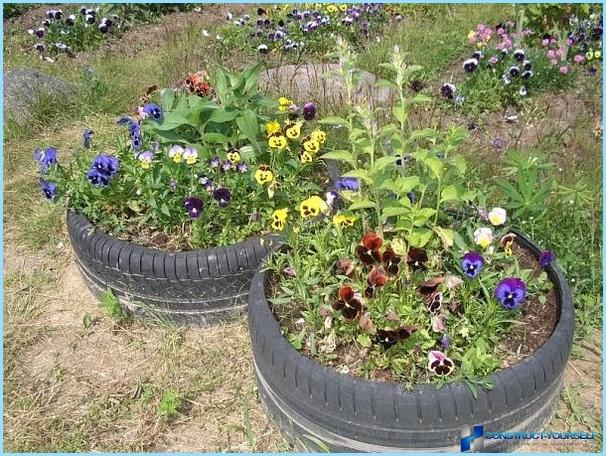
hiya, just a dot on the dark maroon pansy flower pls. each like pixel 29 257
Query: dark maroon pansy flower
pixel 416 259
pixel 430 285
pixel 439 363
pixel 376 279
pixel 416 85
pixel 389 337
pixel 368 252
pixel 222 195
pixel 434 302
pixel 349 303
pixel 391 261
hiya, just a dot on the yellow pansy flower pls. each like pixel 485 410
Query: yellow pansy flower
pixel 277 141
pixel 278 218
pixel 176 153
pixel 497 216
pixel 343 6
pixel 332 8
pixel 264 175
pixel 233 155
pixel 305 157
pixel 597 54
pixel 313 206
pixel 318 135
pixel 190 155
pixel 145 159
pixel 589 55
pixel 471 34
pixel 272 127
pixel 284 103
pixel 310 145
pixel 343 221
pixel 292 130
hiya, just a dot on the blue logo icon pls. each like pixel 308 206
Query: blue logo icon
pixel 472 439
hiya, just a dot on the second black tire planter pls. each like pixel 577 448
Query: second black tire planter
pixel 318 408
pixel 196 288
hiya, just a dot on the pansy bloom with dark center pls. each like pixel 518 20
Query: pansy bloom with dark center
pixel 389 337
pixel 545 258
pixel 391 261
pixel 416 85
pixel 87 137
pixel 510 292
pixel 514 71
pixel 416 259
pixel 368 252
pixel 309 110
pixel 448 90
pixel 439 363
pixel 434 302
pixel 349 303
pixel 519 55
pixel 470 65
pixel 376 279
pixel 223 196
pixel 472 263
pixel 194 207
pixel 153 110
pixel 49 189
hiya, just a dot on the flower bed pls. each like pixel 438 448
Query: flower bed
pixel 210 164
pixel 386 285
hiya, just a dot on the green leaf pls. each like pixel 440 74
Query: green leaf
pixel 420 237
pixel 360 174
pixel 167 100
pixel 460 164
pixel 171 121
pixel 382 163
pixel 223 115
pixel 435 165
pixel 164 209
pixel 446 235
pixel 340 155
pixel 214 138
pixel 449 193
pixel 386 83
pixel 420 99
pixel 423 215
pixel 400 113
pixel 335 120
pixel 247 122
pixel 394 211
pixel 364 340
pixel 406 184
pixel 426 133
pixel 361 204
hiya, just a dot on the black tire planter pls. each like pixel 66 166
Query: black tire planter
pixel 318 408
pixel 195 288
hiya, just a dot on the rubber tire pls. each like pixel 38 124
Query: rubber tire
pixel 194 288
pixel 319 409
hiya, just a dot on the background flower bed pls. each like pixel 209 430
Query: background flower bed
pixel 78 412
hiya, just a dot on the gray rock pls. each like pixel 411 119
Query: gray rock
pixel 305 82
pixel 23 88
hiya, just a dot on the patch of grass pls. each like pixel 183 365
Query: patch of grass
pixel 111 305
pixel 169 405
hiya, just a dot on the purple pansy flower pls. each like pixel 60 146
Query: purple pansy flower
pixel 49 189
pixel 445 342
pixel 242 167
pixel 545 258
pixel 194 206
pixel 472 263
pixel 439 363
pixel 214 161
pixel 87 137
pixel 226 165
pixel 153 110
pixel 448 90
pixel 347 183
pixel 46 158
pixel 309 110
pixel 222 195
pixel 510 292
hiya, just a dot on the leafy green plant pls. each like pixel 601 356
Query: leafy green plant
pixel 169 405
pixel 528 184
pixel 112 307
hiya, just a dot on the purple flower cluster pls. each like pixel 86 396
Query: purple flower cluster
pixel 46 159
pixel 134 130
pixel 103 168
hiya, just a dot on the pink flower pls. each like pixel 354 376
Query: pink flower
pixel 501 31
pixel 553 61
pixel 564 69
pixel 493 60
pixel 560 52
pixel 437 324
pixel 568 41
pixel 551 54
pixel 579 58
pixel 546 42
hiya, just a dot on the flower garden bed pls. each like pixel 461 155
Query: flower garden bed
pixel 318 409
